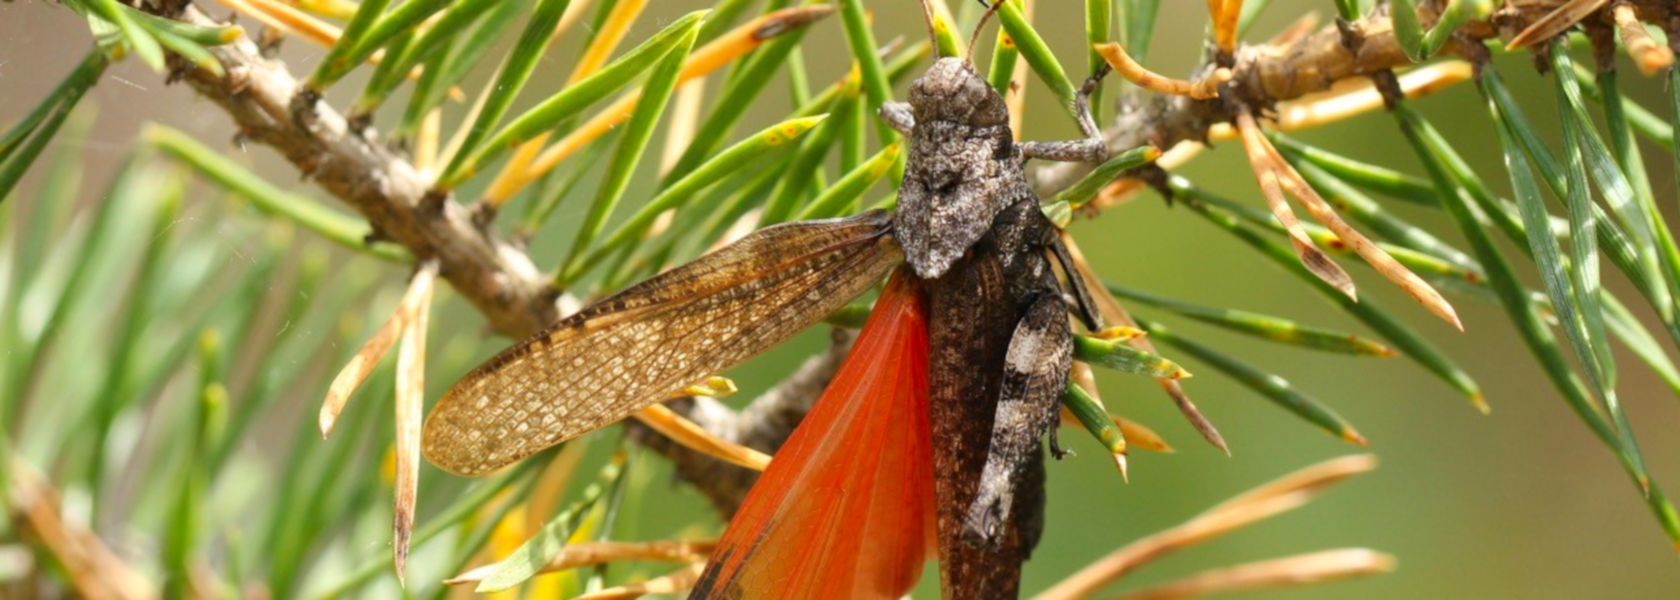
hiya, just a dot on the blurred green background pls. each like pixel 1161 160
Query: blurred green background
pixel 1520 504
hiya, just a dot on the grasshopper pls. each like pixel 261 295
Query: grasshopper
pixel 843 510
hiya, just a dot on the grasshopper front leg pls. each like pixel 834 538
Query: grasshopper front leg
pixel 897 115
pixel 1091 149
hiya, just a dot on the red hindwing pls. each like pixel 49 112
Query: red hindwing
pixel 845 509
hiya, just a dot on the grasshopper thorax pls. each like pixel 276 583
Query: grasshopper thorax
pixel 963 168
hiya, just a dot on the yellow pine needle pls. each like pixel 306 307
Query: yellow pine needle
pixel 662 419
pixel 1207 87
pixel 943 19
pixel 747 37
pixel 737 42
pixel 508 534
pixel 737 230
pixel 732 45
pixel 1292 182
pixel 426 143
pixel 1555 22
pixel 931 21
pixel 574 12
pixel 231 33
pixel 714 387
pixel 1225 25
pixel 607 39
pixel 1114 312
pixel 585 554
pixel 685 120
pixel 669 583
pixel 1414 286
pixel 361 365
pixel 551 485
pixel 288 19
pixel 1119 333
pixel 1139 435
pixel 388 466
pixel 511 531
pixel 1269 175
pixel 1646 53
pixel 1351 97
pixel 410 407
pixel 1016 100
pixel 1086 377
pixel 1269 500
pixel 336 9
pixel 1293 571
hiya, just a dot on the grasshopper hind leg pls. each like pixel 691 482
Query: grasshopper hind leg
pixel 1035 372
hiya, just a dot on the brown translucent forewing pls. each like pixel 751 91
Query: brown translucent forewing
pixel 636 347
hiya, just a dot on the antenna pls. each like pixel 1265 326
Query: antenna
pixel 974 39
pixel 927 17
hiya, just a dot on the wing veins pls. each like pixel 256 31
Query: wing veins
pixel 557 385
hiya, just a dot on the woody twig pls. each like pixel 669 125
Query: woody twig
pixel 1294 66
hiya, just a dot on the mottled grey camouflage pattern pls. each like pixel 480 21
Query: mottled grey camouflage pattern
pixel 1000 342
pixel 965 166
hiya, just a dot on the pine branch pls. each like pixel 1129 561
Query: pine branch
pixel 271 107
pixel 1266 74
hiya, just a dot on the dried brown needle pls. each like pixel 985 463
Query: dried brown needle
pixel 1276 176
pixel 1293 571
pixel 361 365
pixel 662 419
pixel 1269 174
pixel 1207 87
pixel 586 554
pixel 528 164
pixel 670 583
pixel 1225 21
pixel 1647 54
pixel 1114 313
pixel 1269 500
pixel 285 18
pixel 1351 97
pixel 410 405
pixel 93 569
pixel 1555 22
